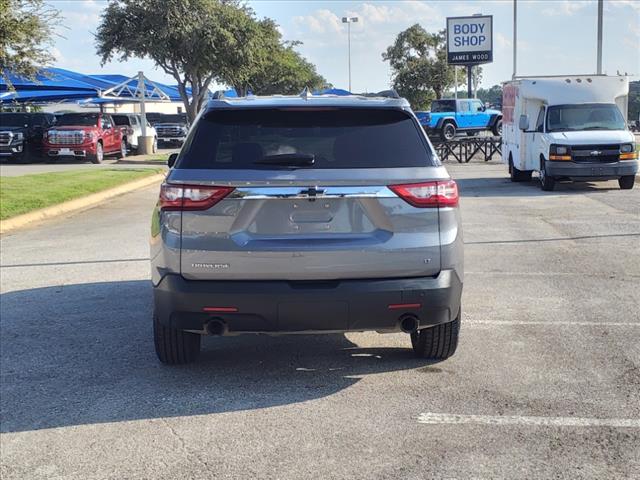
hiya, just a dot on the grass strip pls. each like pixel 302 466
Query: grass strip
pixel 23 194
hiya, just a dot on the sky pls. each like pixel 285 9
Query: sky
pixel 554 36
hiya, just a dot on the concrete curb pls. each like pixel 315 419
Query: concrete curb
pixel 78 204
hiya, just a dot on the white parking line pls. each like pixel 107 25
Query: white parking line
pixel 559 323
pixel 447 418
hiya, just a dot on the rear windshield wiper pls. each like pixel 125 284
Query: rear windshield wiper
pixel 288 160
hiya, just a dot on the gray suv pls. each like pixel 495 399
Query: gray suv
pixel 306 214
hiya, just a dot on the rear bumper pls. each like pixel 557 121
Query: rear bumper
pixel 592 170
pixel 315 306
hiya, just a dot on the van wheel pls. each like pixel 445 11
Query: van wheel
pixel 518 175
pixel 173 346
pixel 497 128
pixel 626 182
pixel 438 342
pixel 448 131
pixel 547 183
pixel 99 156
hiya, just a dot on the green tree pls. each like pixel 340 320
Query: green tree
pixel 276 67
pixel 492 95
pixel 288 73
pixel 195 41
pixel 26 32
pixel 418 61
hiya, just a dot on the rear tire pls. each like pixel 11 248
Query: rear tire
pixel 626 182
pixel 438 342
pixel 448 131
pixel 547 183
pixel 518 175
pixel 173 346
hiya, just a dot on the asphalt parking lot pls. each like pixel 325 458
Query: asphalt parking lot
pixel 64 164
pixel 545 383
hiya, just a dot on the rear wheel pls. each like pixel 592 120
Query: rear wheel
pixel 154 148
pixel 438 342
pixel 99 155
pixel 448 131
pixel 518 175
pixel 173 346
pixel 626 182
pixel 547 182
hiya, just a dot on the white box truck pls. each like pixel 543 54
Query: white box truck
pixel 569 127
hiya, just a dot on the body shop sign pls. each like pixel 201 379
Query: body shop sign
pixel 470 40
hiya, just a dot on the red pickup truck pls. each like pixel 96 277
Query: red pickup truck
pixel 84 135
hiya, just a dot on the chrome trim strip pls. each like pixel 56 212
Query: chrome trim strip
pixel 257 193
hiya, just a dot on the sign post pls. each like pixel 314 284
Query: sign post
pixel 469 43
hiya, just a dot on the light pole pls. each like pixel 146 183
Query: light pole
pixel 349 21
pixel 599 56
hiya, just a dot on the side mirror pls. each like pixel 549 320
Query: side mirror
pixel 483 108
pixel 523 124
pixel 172 160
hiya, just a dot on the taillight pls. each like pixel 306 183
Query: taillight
pixel 191 197
pixel 428 194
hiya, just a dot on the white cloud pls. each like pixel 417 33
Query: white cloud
pixel 635 4
pixel 57 55
pixel 320 21
pixel 502 41
pixel 565 7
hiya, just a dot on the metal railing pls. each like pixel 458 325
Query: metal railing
pixel 465 148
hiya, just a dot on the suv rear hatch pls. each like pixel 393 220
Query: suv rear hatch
pixel 303 194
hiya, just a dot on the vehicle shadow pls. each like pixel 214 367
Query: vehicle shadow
pixel 83 354
pixel 504 187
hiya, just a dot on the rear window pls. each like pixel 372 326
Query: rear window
pixel 285 138
pixel 441 106
pixel 121 120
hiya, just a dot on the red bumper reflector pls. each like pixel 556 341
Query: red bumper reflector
pixel 400 306
pixel 220 309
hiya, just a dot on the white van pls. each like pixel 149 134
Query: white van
pixel 568 128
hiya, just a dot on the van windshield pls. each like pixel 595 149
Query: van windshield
pixel 589 116
pixel 305 138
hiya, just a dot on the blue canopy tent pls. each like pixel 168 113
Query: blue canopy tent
pixel 332 91
pixel 57 84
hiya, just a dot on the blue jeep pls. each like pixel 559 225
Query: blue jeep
pixel 449 116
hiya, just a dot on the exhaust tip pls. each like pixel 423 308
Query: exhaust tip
pixel 216 328
pixel 409 323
